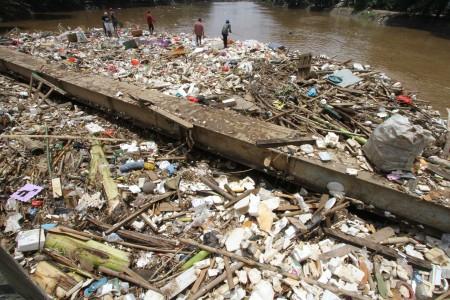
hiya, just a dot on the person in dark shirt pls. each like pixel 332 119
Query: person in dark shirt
pixel 150 21
pixel 226 29
pixel 104 19
pixel 199 31
pixel 114 20
pixel 107 24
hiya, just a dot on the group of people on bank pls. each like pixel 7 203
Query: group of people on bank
pixel 110 24
pixel 199 32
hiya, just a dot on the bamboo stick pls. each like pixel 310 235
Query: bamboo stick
pixel 61 137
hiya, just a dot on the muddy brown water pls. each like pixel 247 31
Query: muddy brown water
pixel 419 59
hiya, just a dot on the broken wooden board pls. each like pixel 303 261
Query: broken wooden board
pixel 166 207
pixel 56 187
pixel 383 250
pixel 304 65
pixel 376 237
pixel 100 167
pixel 438 170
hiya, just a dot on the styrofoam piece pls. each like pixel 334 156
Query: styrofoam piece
pixel 234 239
pixel 29 240
pixel 262 291
pixel 180 283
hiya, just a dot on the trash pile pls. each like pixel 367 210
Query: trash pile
pixel 94 209
pixel 336 104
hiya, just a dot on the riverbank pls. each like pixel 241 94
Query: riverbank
pixel 437 26
pixel 380 17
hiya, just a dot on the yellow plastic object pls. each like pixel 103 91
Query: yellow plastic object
pixel 149 166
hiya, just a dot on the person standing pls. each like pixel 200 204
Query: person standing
pixel 114 20
pixel 103 22
pixel 107 24
pixel 226 29
pixel 150 21
pixel 199 31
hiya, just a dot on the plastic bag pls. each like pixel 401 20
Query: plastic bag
pixel 12 223
pixel 395 144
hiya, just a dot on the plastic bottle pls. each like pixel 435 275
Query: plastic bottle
pixel 330 109
pixel 130 166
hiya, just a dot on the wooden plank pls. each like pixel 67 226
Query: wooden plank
pixel 47 83
pixel 376 237
pixel 286 206
pixel 56 187
pixel 165 207
pixel 100 166
pixel 304 65
pixel 297 224
pixel 439 171
pixel 18 278
pixel 371 245
pixel 284 142
pixel 338 252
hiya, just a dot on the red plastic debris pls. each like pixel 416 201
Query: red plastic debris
pixel 37 202
pixel 192 99
pixel 135 62
pixel 109 132
pixel 72 59
pixel 404 99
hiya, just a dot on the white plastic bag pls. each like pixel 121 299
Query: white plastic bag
pixel 395 144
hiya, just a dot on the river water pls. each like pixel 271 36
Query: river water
pixel 418 58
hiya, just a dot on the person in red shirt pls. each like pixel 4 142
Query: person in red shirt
pixel 199 31
pixel 150 21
